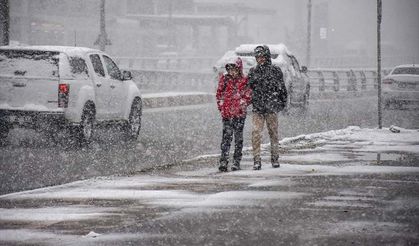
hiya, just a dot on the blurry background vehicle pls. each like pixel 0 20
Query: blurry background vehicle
pixel 401 87
pixel 296 80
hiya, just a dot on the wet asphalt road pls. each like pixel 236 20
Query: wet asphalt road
pixel 169 135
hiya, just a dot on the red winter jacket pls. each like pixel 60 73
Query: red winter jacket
pixel 233 95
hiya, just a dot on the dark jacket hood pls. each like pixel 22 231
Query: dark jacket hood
pixel 264 50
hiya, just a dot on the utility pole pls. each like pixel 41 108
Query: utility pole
pixel 4 22
pixel 308 51
pixel 379 16
pixel 170 27
pixel 102 40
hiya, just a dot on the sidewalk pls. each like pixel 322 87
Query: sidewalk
pixel 346 187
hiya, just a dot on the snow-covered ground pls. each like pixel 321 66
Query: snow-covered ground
pixel 191 191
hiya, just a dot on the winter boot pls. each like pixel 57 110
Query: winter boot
pixel 223 166
pixel 275 162
pixel 257 163
pixel 236 166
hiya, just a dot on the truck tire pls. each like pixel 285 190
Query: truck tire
pixel 84 132
pixel 133 126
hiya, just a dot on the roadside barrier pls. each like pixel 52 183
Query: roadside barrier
pixel 325 84
pixel 321 80
pixel 175 73
pixel 163 80
pixel 168 63
pixel 343 79
pixel 151 101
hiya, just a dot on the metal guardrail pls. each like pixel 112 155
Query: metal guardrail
pixel 360 62
pixel 189 63
pixel 164 80
pixel 321 80
pixel 343 79
pixel 166 63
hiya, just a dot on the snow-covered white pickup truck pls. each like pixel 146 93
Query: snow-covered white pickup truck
pixel 75 88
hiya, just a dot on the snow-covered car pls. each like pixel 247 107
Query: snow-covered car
pixel 296 80
pixel 401 87
pixel 58 87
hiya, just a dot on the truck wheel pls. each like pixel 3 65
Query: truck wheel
pixel 133 126
pixel 84 132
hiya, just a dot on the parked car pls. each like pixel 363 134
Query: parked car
pixel 71 88
pixel 296 79
pixel 401 87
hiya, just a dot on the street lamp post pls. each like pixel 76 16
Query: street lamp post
pixel 102 40
pixel 379 16
pixel 308 51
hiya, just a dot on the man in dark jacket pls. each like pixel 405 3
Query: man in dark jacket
pixel 269 96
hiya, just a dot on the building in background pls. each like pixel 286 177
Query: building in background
pixel 343 32
pixel 140 27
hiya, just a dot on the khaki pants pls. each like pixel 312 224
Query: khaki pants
pixel 272 124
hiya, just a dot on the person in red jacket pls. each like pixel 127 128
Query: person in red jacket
pixel 233 97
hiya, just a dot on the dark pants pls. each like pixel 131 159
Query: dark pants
pixel 232 126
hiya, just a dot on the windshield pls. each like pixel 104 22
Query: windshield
pixel 406 70
pixel 29 63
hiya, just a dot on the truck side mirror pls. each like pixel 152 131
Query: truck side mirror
pixel 304 69
pixel 126 75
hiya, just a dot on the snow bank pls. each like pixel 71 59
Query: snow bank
pixel 322 136
pixel 373 140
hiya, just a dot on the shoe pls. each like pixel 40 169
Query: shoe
pixel 275 162
pixel 275 165
pixel 236 166
pixel 257 163
pixel 223 166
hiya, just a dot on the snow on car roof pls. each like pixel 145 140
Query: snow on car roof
pixel 245 52
pixel 69 50
pixel 274 48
